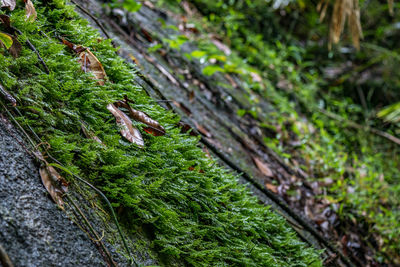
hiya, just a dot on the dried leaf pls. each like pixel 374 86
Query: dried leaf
pixel 54 184
pixel 191 96
pixel 154 127
pixel 131 133
pixel 182 107
pixel 255 77
pixel 10 4
pixel 7 96
pixel 345 10
pixel 4 19
pixel 272 187
pixel 263 167
pixel 31 14
pixel 221 46
pixel 147 35
pixel 390 4
pixel 321 8
pixel 90 135
pixel 16 48
pixel 186 127
pixel 202 130
pixel 88 61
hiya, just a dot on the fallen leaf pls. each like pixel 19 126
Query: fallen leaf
pixel 90 135
pixel 221 46
pixel 208 155
pixel 271 187
pixel 54 183
pixel 182 107
pixel 191 96
pixel 31 14
pixel 390 4
pixel 7 96
pixel 202 130
pixel 191 168
pixel 88 61
pixel 16 48
pixel 4 19
pixel 263 167
pixel 186 127
pixel 147 35
pixel 131 133
pixel 134 59
pixel 10 4
pixel 154 127
pixel 192 28
pixel 255 77
pixel 231 81
pixel 148 4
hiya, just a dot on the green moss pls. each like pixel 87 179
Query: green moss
pixel 364 168
pixel 199 218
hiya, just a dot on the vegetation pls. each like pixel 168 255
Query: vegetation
pixel 287 46
pixel 193 210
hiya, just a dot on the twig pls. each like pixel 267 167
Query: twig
pixel 4 258
pixel 112 262
pixel 87 12
pixel 60 166
pixel 361 127
pixel 8 96
pixel 33 48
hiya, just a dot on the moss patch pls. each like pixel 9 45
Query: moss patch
pixel 203 218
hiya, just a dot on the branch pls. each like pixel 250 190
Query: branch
pixel 361 127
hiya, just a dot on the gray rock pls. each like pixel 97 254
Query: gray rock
pixel 33 230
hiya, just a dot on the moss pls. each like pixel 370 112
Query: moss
pixel 200 218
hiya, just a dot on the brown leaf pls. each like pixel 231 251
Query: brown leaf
pixel 4 19
pixel 263 167
pixel 182 107
pixel 90 135
pixel 191 96
pixel 88 61
pixel 131 133
pixel 186 127
pixel 221 46
pixel 272 187
pixel 154 127
pixel 16 48
pixel 10 4
pixel 390 4
pixel 54 184
pixel 255 77
pixel 345 10
pixel 147 35
pixel 31 14
pixel 7 96
pixel 202 130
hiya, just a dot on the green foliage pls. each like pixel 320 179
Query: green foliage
pixel 200 218
pixel 129 5
pixel 364 168
pixel 391 113
pixel 5 40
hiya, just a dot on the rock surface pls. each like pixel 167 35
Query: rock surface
pixel 33 230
